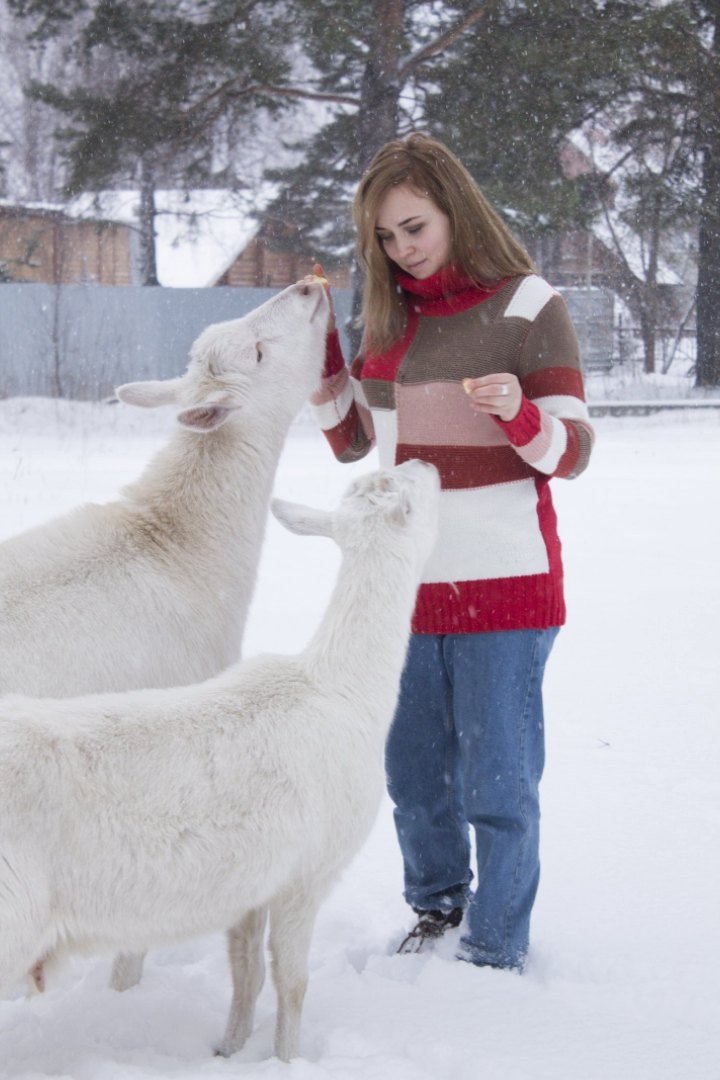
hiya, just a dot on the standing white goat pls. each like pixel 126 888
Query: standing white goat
pixel 141 818
pixel 152 590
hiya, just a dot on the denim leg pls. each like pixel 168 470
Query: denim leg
pixel 422 772
pixel 497 685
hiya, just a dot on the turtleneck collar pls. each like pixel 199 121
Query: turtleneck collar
pixel 446 291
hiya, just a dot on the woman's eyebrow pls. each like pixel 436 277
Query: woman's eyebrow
pixel 405 221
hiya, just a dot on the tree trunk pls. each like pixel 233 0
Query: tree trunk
pixel 707 370
pixel 380 87
pixel 377 121
pixel 649 313
pixel 148 264
pixel 648 330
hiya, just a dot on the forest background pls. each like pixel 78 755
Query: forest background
pixel 235 94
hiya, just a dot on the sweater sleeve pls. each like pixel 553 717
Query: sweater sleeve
pixel 340 406
pixel 552 430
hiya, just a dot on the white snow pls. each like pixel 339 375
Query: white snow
pixel 624 979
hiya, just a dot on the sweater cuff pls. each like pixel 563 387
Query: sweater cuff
pixel 525 426
pixel 334 359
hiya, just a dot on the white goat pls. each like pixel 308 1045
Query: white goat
pixel 153 590
pixel 141 818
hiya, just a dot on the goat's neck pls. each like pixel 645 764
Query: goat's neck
pixel 362 638
pixel 213 488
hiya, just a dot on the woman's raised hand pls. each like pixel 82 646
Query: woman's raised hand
pixel 499 395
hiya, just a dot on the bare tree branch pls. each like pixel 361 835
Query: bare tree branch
pixel 276 91
pixel 444 41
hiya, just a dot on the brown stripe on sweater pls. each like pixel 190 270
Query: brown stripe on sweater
pixel 462 346
pixel 551 340
pixel 469 466
pixel 380 393
pixel 580 439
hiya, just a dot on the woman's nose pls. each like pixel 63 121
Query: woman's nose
pixel 405 245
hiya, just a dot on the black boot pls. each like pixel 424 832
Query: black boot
pixel 430 926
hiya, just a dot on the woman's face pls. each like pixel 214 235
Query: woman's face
pixel 413 232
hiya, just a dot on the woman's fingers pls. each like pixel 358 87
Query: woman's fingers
pixel 488 386
pixel 499 394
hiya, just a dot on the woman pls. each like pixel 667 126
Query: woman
pixel 469 361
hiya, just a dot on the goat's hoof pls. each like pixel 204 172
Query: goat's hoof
pixel 225 1051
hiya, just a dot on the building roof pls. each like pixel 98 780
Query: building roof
pixel 199 233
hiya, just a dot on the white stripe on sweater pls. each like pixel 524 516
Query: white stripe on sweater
pixel 488 532
pixel 331 413
pixel 386 435
pixel 530 298
pixel 357 388
pixel 550 444
pixel 565 406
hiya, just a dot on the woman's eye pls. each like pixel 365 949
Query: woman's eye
pixel 415 229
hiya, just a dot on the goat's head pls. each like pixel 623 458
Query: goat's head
pixel 377 509
pixel 269 360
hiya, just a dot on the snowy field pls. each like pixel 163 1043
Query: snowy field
pixel 624 977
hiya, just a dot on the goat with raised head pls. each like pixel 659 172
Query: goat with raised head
pixel 142 818
pixel 153 589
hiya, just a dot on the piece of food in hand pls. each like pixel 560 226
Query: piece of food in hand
pixel 319 274
pixel 466 386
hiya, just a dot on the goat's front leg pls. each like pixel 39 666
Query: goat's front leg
pixel 247 965
pixel 127 970
pixel 292 918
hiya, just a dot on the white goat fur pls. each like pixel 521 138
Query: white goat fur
pixel 141 818
pixel 152 590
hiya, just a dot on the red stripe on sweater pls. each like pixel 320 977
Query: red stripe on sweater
pixel 343 434
pixel 534 602
pixel 524 427
pixel 554 380
pixel 387 365
pixel 547 519
pixel 334 359
pixel 469 466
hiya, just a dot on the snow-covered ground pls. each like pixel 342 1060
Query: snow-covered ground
pixel 624 980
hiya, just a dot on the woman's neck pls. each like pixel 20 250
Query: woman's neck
pixel 448 291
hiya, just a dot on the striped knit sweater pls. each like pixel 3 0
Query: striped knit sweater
pixel 497 563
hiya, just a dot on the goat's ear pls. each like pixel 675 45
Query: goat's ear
pixel 150 394
pixel 303 520
pixel 204 417
pixel 209 413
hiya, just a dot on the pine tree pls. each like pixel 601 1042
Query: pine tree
pixel 504 83
pixel 165 89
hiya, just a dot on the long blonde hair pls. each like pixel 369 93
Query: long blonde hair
pixel 482 247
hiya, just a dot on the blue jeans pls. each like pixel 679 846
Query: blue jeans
pixel 466 749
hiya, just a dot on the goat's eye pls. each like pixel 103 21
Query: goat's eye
pixel 258 353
